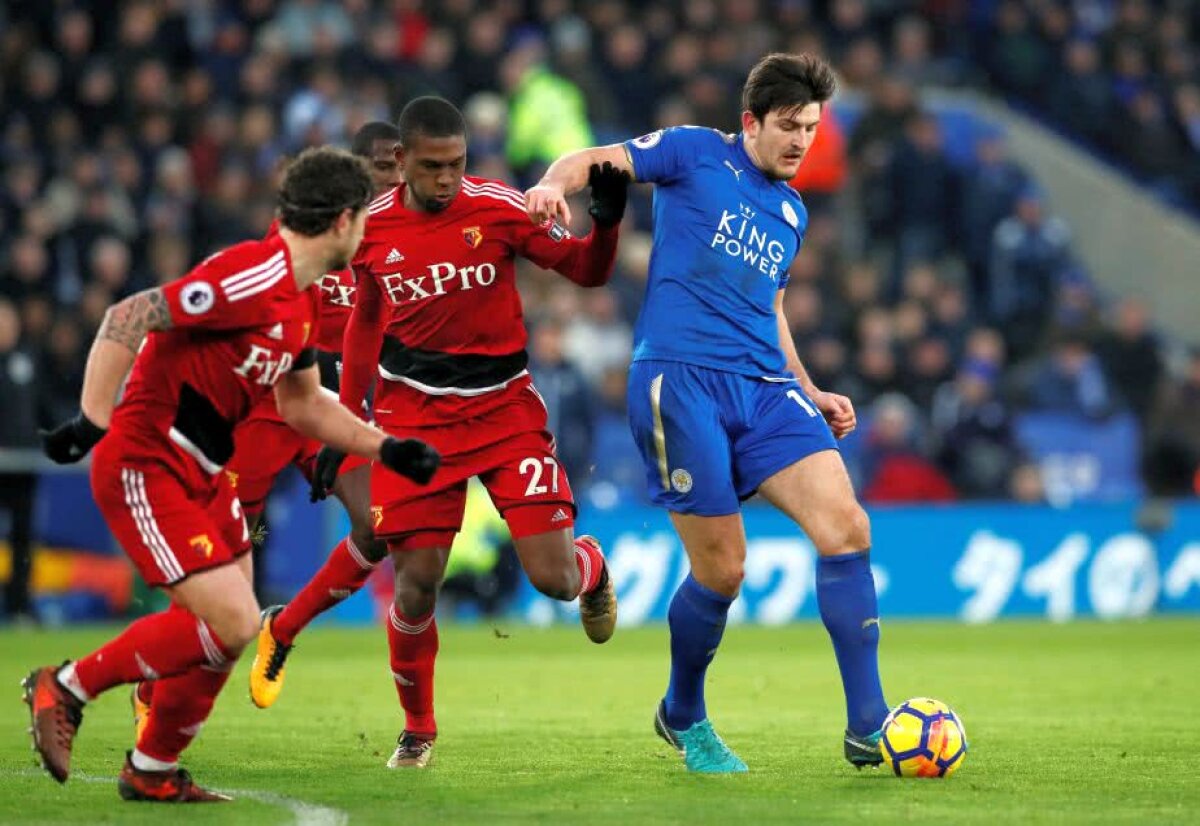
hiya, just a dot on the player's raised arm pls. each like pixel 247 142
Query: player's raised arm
pixel 586 261
pixel 118 340
pixel 317 413
pixel 547 200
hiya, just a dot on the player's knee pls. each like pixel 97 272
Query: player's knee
pixel 559 582
pixel 724 577
pixel 236 627
pixel 416 594
pixel 850 532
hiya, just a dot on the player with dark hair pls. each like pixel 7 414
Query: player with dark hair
pixel 721 406
pixel 203 350
pixel 264 444
pixel 438 320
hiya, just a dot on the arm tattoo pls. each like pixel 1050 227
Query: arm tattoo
pixel 128 321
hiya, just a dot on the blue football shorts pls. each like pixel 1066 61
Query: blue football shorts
pixel 708 438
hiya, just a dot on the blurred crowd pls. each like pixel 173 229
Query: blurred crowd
pixel 936 287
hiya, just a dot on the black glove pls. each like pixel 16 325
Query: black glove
pixel 71 441
pixel 610 190
pixel 410 457
pixel 325 471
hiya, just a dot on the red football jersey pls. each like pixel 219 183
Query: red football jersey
pixel 239 323
pixel 453 326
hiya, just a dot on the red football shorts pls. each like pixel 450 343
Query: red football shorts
pixel 169 527
pixel 263 446
pixel 507 447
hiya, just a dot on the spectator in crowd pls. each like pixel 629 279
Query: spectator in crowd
pixel 926 210
pixel 568 399
pixel 1129 353
pixel 1070 380
pixel 1172 462
pixel 896 470
pixel 972 426
pixel 616 469
pixel 990 190
pixel 18 429
pixel 1030 252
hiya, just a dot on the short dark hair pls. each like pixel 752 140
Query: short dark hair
pixel 364 139
pixel 432 117
pixel 318 186
pixel 787 81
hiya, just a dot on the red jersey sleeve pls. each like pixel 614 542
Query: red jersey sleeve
pixel 586 261
pixel 229 290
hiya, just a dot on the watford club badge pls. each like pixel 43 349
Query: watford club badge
pixel 473 236
pixel 202 545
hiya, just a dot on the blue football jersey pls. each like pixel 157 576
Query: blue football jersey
pixel 724 238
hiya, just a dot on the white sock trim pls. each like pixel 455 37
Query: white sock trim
pixel 146 763
pixel 69 680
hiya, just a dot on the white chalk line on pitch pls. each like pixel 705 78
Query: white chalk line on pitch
pixel 305 814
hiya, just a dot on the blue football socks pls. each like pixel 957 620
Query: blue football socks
pixel 697 621
pixel 846 597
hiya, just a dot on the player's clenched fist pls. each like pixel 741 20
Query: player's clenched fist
pixel 410 457
pixel 71 441
pixel 546 202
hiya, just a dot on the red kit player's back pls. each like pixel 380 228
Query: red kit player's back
pixel 239 323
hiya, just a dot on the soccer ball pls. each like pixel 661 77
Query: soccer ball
pixel 923 738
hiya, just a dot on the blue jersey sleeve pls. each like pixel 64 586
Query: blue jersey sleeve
pixel 662 156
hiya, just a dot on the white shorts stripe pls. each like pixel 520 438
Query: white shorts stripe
pixel 265 281
pixel 143 518
pixel 140 492
pixel 231 282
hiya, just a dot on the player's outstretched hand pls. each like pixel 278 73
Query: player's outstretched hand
pixel 325 472
pixel 546 203
pixel 838 411
pixel 410 457
pixel 71 441
pixel 610 190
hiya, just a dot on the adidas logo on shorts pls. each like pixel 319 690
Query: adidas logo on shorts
pixel 393 257
pixel 560 515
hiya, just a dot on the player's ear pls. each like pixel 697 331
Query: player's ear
pixel 750 124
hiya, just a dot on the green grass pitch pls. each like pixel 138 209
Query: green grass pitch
pixel 1081 723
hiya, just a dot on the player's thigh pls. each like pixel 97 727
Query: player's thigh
pixel 353 490
pixel 262 448
pixel 779 427
pixel 716 549
pixel 169 532
pixel 677 425
pixel 817 494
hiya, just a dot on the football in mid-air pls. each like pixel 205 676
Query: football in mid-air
pixel 923 738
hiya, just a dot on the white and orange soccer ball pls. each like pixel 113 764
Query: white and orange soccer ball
pixel 923 738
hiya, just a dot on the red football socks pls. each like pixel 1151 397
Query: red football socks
pixel 155 647
pixel 343 573
pixel 413 642
pixel 179 707
pixel 591 565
